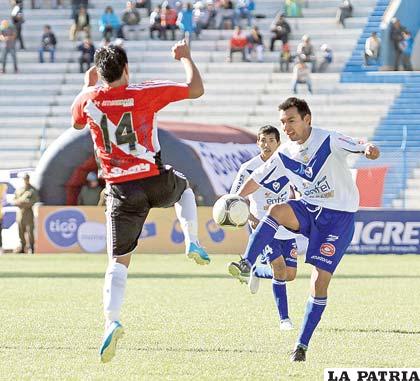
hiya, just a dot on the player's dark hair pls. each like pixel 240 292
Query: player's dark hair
pixel 301 105
pixel 267 130
pixel 110 62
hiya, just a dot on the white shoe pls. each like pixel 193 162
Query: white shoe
pixel 286 325
pixel 254 282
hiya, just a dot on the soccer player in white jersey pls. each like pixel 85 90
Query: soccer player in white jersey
pixel 315 162
pixel 281 253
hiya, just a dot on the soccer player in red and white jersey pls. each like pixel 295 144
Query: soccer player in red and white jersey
pixel 121 118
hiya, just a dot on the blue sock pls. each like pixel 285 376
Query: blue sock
pixel 280 298
pixel 262 236
pixel 314 309
pixel 263 271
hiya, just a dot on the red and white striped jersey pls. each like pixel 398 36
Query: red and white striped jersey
pixel 122 124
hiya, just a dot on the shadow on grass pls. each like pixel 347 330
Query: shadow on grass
pixel 371 330
pixel 163 275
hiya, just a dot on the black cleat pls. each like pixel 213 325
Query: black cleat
pixel 240 270
pixel 299 354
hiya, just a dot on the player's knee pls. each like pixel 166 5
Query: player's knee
pixel 284 215
pixel 124 260
pixel 279 269
pixel 290 274
pixel 320 282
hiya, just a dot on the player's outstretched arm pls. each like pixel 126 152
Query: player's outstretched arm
pixel 250 186
pixel 181 52
pixel 372 152
pixel 91 77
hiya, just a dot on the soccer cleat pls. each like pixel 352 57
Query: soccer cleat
pixel 197 253
pixel 299 354
pixel 109 344
pixel 254 282
pixel 286 325
pixel 240 270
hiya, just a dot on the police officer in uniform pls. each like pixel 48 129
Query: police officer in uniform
pixel 25 198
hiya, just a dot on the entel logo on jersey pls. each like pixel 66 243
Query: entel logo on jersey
pixel 62 226
pixel 327 249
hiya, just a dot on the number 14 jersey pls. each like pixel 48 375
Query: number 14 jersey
pixel 122 123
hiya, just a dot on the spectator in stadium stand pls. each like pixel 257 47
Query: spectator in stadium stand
pixel 306 52
pixel 131 21
pixel 292 8
pixel 327 58
pixel 186 22
pixel 285 58
pixel 226 13
pixel 18 20
pixel 144 4
pixel 76 5
pixel 8 37
pixel 238 43
pixel 25 198
pixel 168 21
pixel 198 16
pixel 344 11
pixel 280 29
pixel 407 49
pixel 109 24
pixel 243 11
pixel 155 22
pixel 3 190
pixel 81 24
pixel 48 44
pixel 256 44
pixel 372 48
pixel 207 15
pixel 301 75
pixel 87 52
pixel 91 192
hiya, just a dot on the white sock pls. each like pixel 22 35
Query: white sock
pixel 114 288
pixel 186 211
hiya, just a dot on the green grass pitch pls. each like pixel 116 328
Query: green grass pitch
pixel 186 322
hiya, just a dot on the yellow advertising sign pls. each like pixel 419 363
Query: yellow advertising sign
pixel 73 229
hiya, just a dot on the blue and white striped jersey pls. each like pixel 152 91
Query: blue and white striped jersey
pixel 318 169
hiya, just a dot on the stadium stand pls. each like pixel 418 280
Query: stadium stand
pixel 34 104
pixel 398 133
pixel 355 63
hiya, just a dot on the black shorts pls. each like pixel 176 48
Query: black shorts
pixel 128 204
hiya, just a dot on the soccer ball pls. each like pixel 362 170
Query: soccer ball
pixel 231 211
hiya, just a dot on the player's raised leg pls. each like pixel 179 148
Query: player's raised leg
pixel 281 214
pixel 186 212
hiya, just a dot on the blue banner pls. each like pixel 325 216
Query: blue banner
pixel 386 232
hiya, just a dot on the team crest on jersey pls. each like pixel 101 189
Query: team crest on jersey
pixel 276 186
pixel 294 253
pixel 327 249
pixel 308 172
